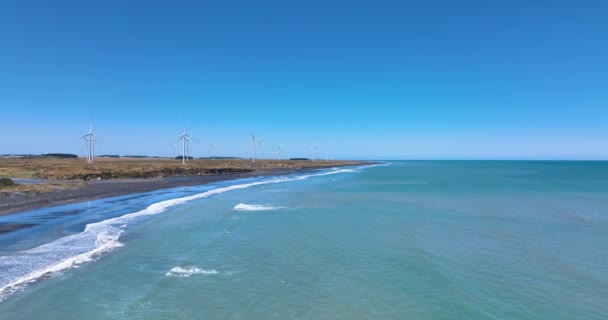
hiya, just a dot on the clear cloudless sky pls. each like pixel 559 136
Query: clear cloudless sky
pixel 378 79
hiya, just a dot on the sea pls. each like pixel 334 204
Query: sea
pixel 394 240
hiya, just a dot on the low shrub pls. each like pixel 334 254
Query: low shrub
pixel 6 182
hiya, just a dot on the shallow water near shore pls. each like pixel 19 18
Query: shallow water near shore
pixel 408 240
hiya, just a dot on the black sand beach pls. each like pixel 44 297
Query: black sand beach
pixel 17 202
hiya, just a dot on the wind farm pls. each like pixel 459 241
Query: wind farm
pixel 91 167
pixel 186 159
pixel 57 172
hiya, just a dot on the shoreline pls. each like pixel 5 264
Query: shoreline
pixel 13 203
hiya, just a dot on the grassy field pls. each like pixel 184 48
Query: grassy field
pixel 41 187
pixel 112 168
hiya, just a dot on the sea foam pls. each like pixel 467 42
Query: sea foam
pixel 187 272
pixel 254 207
pixel 28 266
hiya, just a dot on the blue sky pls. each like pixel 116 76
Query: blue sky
pixel 374 79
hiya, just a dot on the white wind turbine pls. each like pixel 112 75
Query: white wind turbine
pixel 185 137
pixel 90 139
pixel 88 146
pixel 275 153
pixel 279 150
pixel 172 150
pixel 253 147
pixel 212 151
pixel 327 153
pixel 261 142
pixel 188 156
pixel 313 150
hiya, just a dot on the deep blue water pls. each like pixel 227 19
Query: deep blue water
pixel 409 240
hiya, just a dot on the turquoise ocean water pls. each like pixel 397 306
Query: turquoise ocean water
pixel 405 240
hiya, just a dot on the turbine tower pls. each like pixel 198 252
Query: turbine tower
pixel 314 149
pixel 90 138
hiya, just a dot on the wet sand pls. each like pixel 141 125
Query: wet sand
pixel 17 202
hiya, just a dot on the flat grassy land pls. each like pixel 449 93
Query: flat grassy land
pixel 112 168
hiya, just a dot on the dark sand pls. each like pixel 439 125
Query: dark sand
pixel 17 202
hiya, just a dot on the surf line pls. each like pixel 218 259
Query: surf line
pixel 101 237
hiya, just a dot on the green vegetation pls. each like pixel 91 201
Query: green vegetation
pixel 65 173
pixel 112 168
pixel 6 182
pixel 60 155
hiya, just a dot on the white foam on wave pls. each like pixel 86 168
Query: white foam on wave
pixel 53 257
pixel 28 266
pixel 187 272
pixel 341 170
pixel 255 207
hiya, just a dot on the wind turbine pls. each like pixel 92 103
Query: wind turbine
pixel 90 139
pixel 185 137
pixel 327 153
pixel 277 152
pixel 188 148
pixel 88 145
pixel 212 151
pixel 253 147
pixel 313 149
pixel 172 150
pixel 261 148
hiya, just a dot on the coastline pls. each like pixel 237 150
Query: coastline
pixel 11 203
